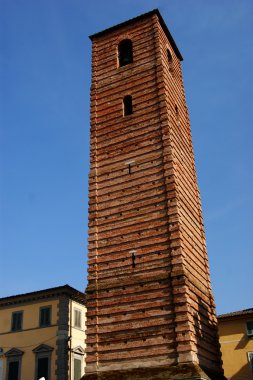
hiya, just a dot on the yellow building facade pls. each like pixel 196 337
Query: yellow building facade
pixel 236 339
pixel 42 334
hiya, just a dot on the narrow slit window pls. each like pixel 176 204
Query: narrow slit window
pixel 176 111
pixel 125 52
pixel 133 258
pixel 170 61
pixel 127 105
pixel 129 166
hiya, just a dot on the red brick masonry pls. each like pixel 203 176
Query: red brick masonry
pixel 149 299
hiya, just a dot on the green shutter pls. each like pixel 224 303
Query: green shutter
pixel 77 369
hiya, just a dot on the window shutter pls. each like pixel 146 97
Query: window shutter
pixel 16 321
pixel 45 316
pixel 77 369
pixel 77 318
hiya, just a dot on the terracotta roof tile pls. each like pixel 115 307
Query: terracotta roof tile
pixel 236 313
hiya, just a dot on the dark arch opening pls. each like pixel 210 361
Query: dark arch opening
pixel 125 52
pixel 128 106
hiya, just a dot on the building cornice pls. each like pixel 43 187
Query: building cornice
pixel 236 314
pixel 44 294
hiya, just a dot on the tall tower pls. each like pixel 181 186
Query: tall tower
pixel 151 313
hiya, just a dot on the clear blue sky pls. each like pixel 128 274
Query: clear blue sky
pixel 44 138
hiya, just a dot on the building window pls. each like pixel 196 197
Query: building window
pixel 77 369
pixel 127 105
pixel 17 320
pixel 13 370
pixel 42 368
pixel 176 112
pixel 77 363
pixel 133 252
pixel 43 361
pixel 170 61
pixel 13 364
pixel 250 329
pixel 77 318
pixel 45 316
pixel 125 52
pixel 250 357
pixel 1 369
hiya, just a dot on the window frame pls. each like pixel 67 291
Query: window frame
pixel 1 367
pixel 74 319
pixel 41 352
pixel 13 355
pixel 39 357
pixel 77 358
pixel 19 312
pixel 8 364
pixel 249 335
pixel 250 359
pixel 49 307
pixel 77 353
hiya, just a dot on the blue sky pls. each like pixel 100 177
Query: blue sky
pixel 44 137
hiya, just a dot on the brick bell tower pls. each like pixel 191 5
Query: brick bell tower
pixel 151 313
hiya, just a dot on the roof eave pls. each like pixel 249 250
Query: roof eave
pixel 43 294
pixel 138 18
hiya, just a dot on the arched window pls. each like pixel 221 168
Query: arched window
pixel 170 61
pixel 127 105
pixel 125 52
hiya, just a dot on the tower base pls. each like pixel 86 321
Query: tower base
pixel 177 372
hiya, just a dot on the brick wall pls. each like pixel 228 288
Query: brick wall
pixel 159 310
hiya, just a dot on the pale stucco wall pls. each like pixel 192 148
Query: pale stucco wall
pixel 78 335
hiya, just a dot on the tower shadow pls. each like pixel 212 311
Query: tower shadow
pixel 207 341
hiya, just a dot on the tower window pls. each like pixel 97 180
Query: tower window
pixel 176 111
pixel 127 105
pixel 125 52
pixel 129 164
pixel 133 258
pixel 170 61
